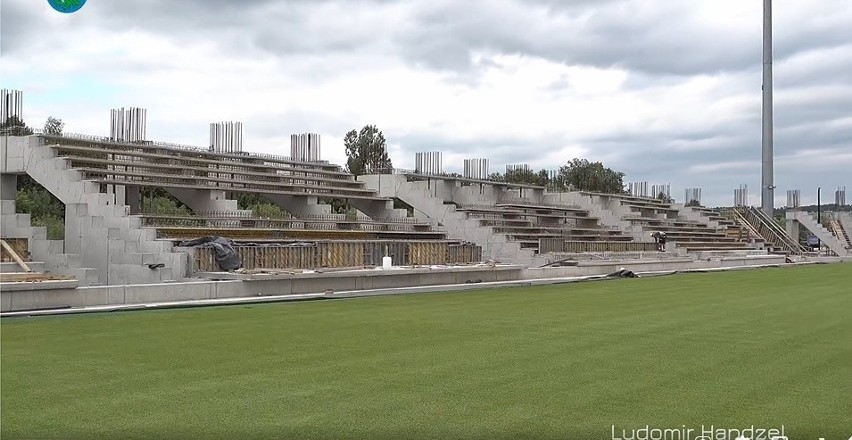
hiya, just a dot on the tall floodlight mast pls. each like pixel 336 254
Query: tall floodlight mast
pixel 768 187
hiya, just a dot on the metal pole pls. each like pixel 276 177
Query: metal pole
pixel 768 187
pixel 819 218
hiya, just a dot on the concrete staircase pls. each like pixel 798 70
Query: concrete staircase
pixel 101 239
pixel 845 220
pixel 606 217
pixel 456 224
pixel 702 215
pixel 840 232
pixel 48 255
pixel 810 223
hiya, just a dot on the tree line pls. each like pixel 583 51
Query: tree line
pixel 367 153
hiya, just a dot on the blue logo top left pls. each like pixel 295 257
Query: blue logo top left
pixel 67 6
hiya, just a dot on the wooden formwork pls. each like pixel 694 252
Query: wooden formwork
pixel 374 252
pixel 464 253
pixel 427 252
pixel 331 254
pixel 340 254
pixel 608 246
pixel 19 245
pixel 548 245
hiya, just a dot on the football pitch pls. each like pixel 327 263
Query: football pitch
pixel 770 348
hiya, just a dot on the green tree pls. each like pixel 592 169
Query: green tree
pixel 164 206
pixel 664 197
pixel 590 176
pixel 693 202
pixel 53 126
pixel 14 126
pixel 496 177
pixel 527 177
pixel 366 152
pixel 44 209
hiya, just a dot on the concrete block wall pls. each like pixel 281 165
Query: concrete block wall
pixel 102 239
pixel 532 196
pixel 46 255
pixel 421 195
pixel 476 194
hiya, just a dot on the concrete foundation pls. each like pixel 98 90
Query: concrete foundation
pixel 397 280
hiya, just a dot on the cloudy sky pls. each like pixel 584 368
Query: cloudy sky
pixel 667 91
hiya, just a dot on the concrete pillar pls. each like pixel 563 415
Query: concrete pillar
pixel 120 195
pixel 201 200
pixel 8 186
pixel 133 199
pixel 300 206
pixel 793 229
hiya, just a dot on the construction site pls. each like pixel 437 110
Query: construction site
pixel 403 228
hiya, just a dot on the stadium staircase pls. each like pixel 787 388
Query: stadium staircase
pixel 810 223
pixel 456 223
pixel 41 254
pixel 694 230
pixel 103 244
pixel 845 220
pixel 761 225
pixel 840 232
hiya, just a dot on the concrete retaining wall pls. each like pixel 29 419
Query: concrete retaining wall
pixel 260 285
pixel 249 286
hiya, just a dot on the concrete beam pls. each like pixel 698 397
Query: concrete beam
pixel 203 199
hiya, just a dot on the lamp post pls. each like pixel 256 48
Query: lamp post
pixel 767 186
pixel 819 217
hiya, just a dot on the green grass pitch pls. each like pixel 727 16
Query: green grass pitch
pixel 765 347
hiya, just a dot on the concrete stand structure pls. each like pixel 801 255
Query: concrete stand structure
pixel 798 218
pixel 103 244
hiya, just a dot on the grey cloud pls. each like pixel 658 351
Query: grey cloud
pixel 659 48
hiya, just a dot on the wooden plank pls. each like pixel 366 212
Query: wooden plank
pixel 14 255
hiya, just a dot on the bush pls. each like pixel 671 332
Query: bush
pixel 163 205
pixel 55 226
pixel 267 210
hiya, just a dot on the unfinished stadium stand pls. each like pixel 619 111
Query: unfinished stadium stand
pixel 283 181
pixel 761 225
pixel 544 228
pixel 111 241
pixel 712 232
pixel 511 222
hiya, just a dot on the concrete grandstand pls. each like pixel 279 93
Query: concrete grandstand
pixel 415 219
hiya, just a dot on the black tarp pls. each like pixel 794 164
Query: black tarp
pixel 226 256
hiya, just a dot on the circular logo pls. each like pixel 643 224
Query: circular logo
pixel 67 6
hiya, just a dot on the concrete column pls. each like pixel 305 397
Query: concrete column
pixel 8 186
pixel 133 198
pixel 793 229
pixel 120 195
